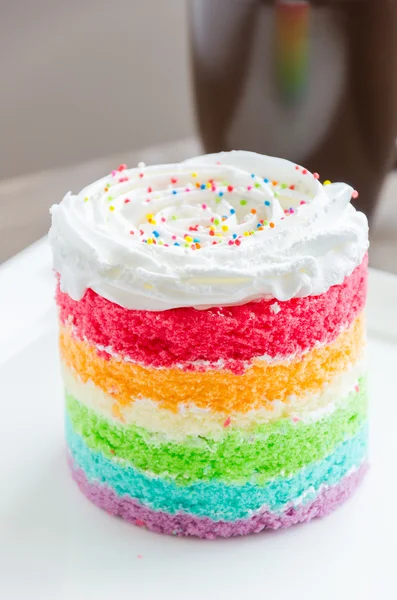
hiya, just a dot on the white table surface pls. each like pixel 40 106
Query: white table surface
pixel 55 545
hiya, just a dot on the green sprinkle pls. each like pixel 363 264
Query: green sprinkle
pixel 243 202
pixel 283 186
pixel 173 217
pixel 110 198
pixel 216 222
pixel 257 185
pixel 265 223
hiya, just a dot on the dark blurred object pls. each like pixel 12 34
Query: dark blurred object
pixel 314 82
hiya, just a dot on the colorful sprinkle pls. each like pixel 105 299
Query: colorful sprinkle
pixel 243 202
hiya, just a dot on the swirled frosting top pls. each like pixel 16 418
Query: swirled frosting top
pixel 214 230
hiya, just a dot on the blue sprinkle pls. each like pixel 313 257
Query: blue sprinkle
pixel 267 203
pixel 259 224
pixel 203 186
pixel 176 244
pixel 220 193
pixel 196 240
pixel 266 180
pixel 232 211
pixel 174 192
pixel 234 235
pixel 252 174
pixel 156 233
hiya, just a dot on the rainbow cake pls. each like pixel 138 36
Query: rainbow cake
pixel 212 339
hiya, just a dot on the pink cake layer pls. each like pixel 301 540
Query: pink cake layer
pixel 233 334
pixel 186 524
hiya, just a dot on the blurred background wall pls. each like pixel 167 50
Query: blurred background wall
pixel 97 77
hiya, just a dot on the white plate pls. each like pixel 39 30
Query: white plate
pixel 56 545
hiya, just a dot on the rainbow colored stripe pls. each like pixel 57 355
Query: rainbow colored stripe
pixel 184 423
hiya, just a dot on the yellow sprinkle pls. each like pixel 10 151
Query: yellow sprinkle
pixel 147 285
pixel 211 228
pixel 208 185
pixel 246 233
pixel 150 241
pixel 86 199
pixel 225 228
pixel 326 182
pixel 111 207
pixel 194 174
pixel 149 216
pixel 188 238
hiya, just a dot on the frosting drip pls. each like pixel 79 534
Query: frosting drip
pixel 215 230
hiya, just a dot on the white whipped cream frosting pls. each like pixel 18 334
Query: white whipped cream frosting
pixel 98 236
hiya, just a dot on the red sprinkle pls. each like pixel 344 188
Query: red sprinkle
pixel 316 176
pixel 126 201
pixel 141 175
pixel 291 187
pixel 229 188
pixel 122 167
pixel 212 232
pixel 237 242
pixel 304 171
pixel 173 180
pixel 227 422
pixel 149 190
pixel 131 232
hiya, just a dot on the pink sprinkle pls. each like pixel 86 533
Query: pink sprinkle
pixel 131 232
pixel 297 168
pixel 139 555
pixel 295 419
pixel 141 175
pixel 302 202
pixel 227 422
pixel 147 200
pixel 355 194
pixel 218 162
pixel 126 201
pixel 304 171
pixel 139 523
pixel 141 231
pixel 114 173
pixel 204 206
pixel 173 237
pixel 357 388
pixel 213 189
pixel 163 219
pixel 231 242
pixel 249 187
pixel 316 176
pixel 187 189
pixel 291 210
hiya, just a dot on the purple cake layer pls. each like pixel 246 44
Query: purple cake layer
pixel 184 524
